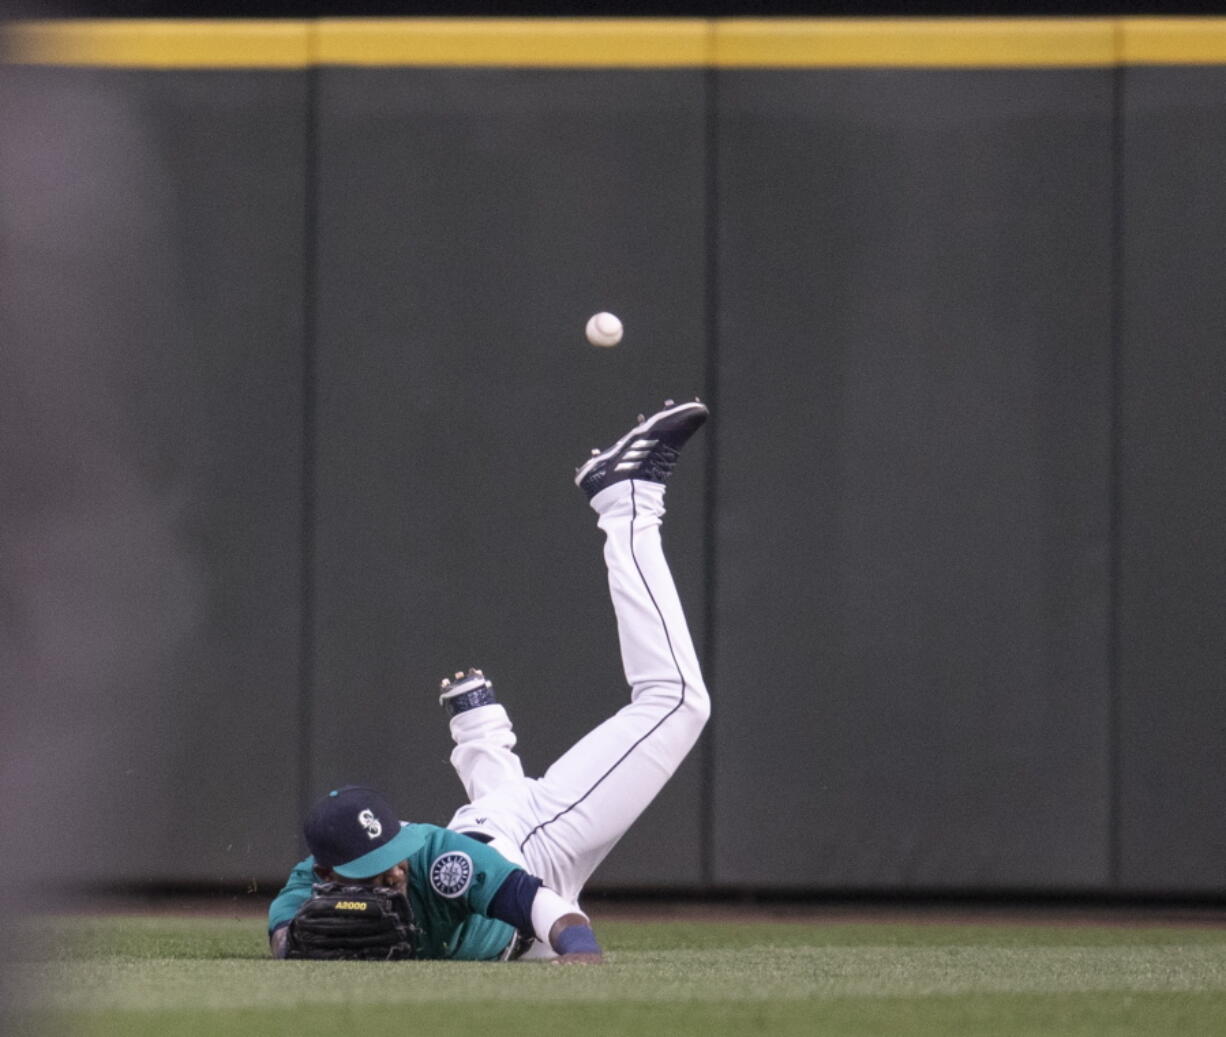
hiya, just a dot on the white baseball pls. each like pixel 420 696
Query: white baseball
pixel 604 329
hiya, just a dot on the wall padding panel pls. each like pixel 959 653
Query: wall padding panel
pixel 152 298
pixel 1172 495
pixel 469 223
pixel 913 479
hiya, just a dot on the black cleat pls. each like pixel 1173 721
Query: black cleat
pixel 466 691
pixel 647 452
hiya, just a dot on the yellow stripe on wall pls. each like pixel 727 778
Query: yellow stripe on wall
pixel 150 43
pixel 1172 41
pixel 916 43
pixel 523 42
pixel 628 43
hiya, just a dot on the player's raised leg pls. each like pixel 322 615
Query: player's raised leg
pixel 589 798
pixel 484 755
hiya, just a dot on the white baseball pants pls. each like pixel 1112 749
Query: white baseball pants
pixel 561 826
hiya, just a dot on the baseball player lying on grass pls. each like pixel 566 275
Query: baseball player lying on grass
pixel 502 880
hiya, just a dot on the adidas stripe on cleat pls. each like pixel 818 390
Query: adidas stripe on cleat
pixel 647 452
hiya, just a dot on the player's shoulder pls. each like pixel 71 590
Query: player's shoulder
pixel 436 839
pixel 424 833
pixel 445 843
pixel 429 840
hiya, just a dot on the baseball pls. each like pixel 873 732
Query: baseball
pixel 604 329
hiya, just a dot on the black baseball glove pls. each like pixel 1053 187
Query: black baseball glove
pixel 368 923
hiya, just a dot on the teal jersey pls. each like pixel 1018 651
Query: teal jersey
pixel 452 880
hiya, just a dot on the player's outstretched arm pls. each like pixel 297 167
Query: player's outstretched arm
pixel 528 904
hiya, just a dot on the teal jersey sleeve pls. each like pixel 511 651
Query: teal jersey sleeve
pixel 452 880
pixel 461 869
pixel 295 892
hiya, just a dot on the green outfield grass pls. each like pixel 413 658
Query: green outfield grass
pixel 183 975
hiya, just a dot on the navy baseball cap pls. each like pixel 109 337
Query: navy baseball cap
pixel 354 831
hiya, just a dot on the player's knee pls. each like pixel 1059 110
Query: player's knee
pixel 698 705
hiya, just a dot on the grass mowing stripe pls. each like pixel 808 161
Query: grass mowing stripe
pixel 100 936
pixel 999 1015
pixel 746 975
pixel 206 975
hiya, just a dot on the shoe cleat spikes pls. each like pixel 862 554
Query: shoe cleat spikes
pixel 467 691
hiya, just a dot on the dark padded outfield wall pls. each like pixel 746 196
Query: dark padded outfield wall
pixel 1172 492
pixel 296 385
pixel 469 223
pixel 152 300
pixel 913 479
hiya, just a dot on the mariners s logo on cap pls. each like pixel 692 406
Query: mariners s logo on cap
pixel 371 823
pixel 347 830
pixel 451 874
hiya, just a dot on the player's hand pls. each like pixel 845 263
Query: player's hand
pixel 353 921
pixel 574 942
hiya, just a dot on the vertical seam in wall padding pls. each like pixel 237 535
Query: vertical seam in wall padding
pixel 1115 370
pixel 306 659
pixel 710 529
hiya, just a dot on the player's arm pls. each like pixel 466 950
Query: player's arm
pixel 295 893
pixel 526 903
pixel 508 893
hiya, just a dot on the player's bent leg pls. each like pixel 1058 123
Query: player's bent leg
pixel 484 756
pixel 589 798
pixel 562 826
pixel 655 640
pixel 592 795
